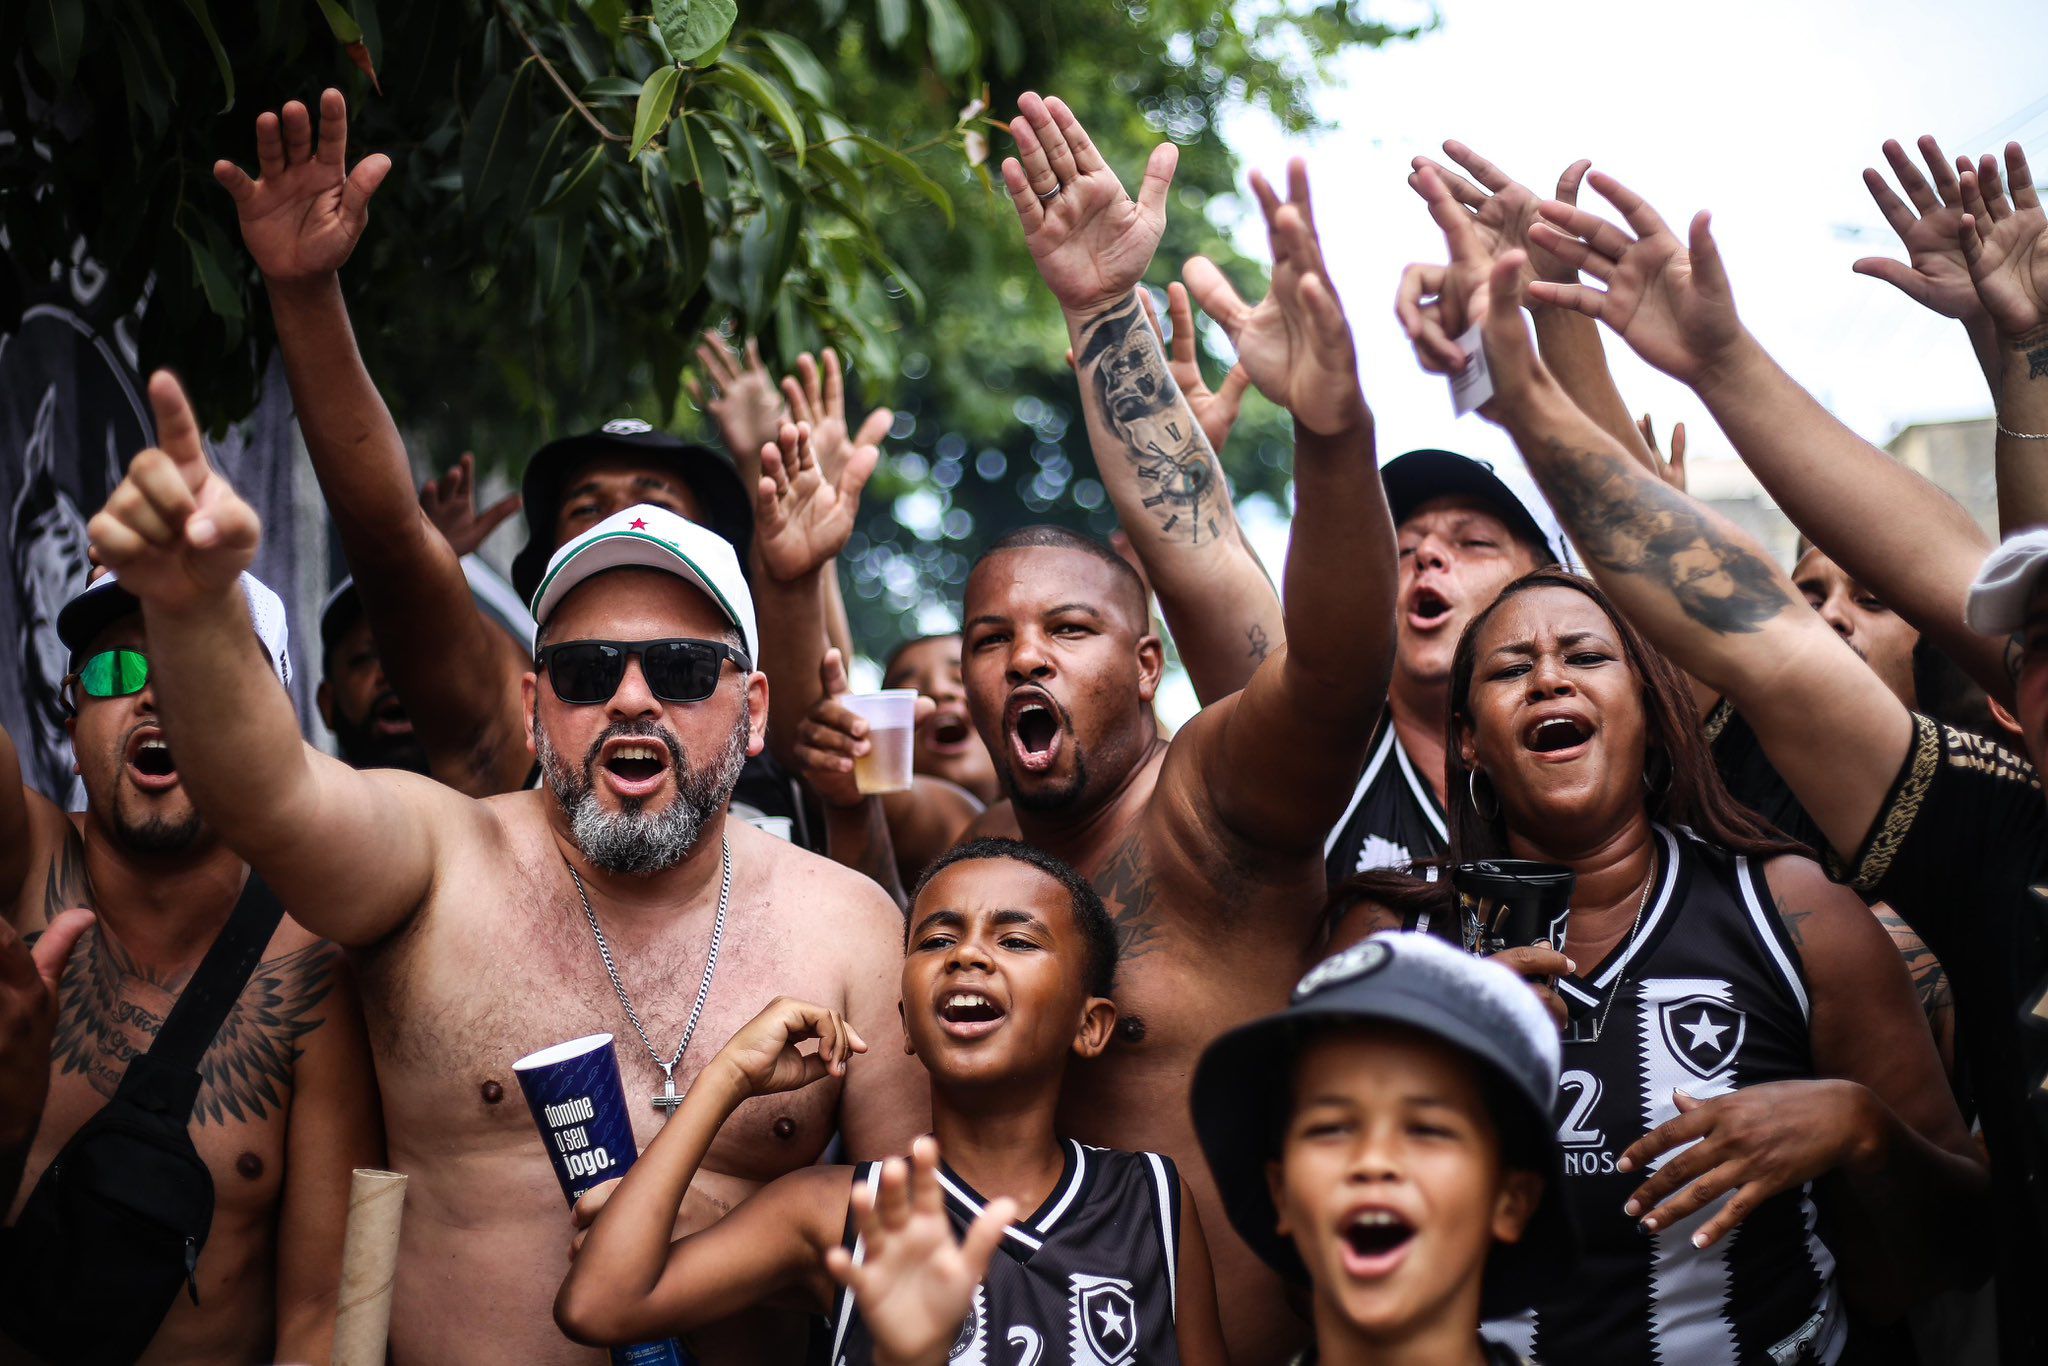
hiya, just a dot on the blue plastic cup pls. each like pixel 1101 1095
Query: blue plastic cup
pixel 579 1105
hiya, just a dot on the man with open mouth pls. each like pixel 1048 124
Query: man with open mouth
pixel 608 901
pixel 1208 849
pixel 285 1104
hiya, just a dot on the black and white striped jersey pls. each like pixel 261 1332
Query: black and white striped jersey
pixel 1087 1280
pixel 1709 997
pixel 1394 817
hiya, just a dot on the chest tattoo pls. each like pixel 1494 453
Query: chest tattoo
pixel 1125 884
pixel 111 1008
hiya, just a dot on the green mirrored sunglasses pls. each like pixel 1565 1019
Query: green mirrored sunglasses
pixel 114 673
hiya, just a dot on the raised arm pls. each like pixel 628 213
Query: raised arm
pixel 1703 592
pixel 1093 244
pixel 1278 762
pixel 1503 210
pixel 2004 241
pixel 631 1281
pixel 301 221
pixel 1890 529
pixel 1928 221
pixel 352 853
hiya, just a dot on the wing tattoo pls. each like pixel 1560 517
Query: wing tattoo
pixel 247 1069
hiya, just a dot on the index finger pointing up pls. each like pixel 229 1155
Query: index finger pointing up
pixel 1448 213
pixel 177 430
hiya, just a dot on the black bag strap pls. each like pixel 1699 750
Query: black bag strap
pixel 206 1000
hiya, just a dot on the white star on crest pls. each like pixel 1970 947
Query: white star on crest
pixel 1112 1322
pixel 1705 1034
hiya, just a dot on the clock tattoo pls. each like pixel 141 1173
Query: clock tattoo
pixel 1121 361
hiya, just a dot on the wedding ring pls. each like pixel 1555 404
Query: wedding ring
pixel 1051 194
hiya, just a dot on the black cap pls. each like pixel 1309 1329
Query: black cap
pixel 726 502
pixel 1243 1082
pixel 1413 479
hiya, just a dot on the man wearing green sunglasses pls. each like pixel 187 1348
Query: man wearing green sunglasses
pixel 285 1106
pixel 621 898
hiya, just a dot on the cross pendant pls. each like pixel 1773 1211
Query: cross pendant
pixel 668 1100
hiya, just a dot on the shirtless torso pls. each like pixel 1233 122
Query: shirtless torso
pixel 500 962
pixel 285 1107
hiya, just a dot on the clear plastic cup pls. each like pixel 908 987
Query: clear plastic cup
pixel 892 719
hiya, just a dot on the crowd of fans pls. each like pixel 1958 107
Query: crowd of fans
pixel 1093 1043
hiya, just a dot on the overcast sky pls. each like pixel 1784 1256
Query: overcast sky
pixel 1764 113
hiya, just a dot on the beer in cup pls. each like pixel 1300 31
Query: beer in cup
pixel 892 719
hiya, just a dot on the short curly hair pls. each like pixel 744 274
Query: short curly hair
pixel 1098 931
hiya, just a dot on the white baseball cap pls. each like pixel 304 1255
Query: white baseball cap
pixel 104 601
pixel 649 537
pixel 1997 604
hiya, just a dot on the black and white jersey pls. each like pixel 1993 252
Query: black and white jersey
pixel 1394 817
pixel 1708 997
pixel 1088 1280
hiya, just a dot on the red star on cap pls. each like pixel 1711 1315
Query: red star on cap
pixel 638 524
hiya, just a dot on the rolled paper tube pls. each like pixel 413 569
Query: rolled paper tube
pixel 369 1262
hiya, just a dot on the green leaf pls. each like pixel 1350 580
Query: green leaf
pixel 340 22
pixel 542 167
pixel 889 267
pixel 750 85
pixel 693 241
pixel 610 88
pixel 893 16
pixel 910 173
pixel 708 163
pixel 576 187
pixel 804 70
pixel 220 54
pixel 691 28
pixel 657 97
pixel 767 185
pixel 372 25
pixel 221 295
pixel 495 142
pixel 67 35
pixel 558 258
pixel 947 34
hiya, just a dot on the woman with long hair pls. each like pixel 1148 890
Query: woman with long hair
pixel 1741 1034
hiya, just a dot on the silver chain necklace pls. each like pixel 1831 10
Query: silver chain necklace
pixel 668 1100
pixel 1620 981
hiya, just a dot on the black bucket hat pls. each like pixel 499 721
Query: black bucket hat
pixel 1413 479
pixel 1243 1084
pixel 709 473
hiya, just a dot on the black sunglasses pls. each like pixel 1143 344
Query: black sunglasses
pixel 587 672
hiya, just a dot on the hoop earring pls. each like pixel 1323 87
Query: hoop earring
pixel 1472 795
pixel 1658 789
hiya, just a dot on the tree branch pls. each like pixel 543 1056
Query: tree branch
pixel 545 65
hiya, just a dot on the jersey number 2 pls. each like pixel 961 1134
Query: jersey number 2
pixel 1028 1339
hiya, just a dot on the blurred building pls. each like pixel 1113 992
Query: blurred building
pixel 1955 456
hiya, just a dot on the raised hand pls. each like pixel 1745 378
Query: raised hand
pixel 1295 344
pixel 1215 410
pixel 1671 471
pixel 817 395
pixel 29 978
pixel 2004 241
pixel 450 504
pixel 763 1057
pixel 1503 209
pixel 174 529
pixel 1437 304
pixel 742 398
pixel 304 216
pixel 801 518
pixel 1928 221
pixel 1669 301
pixel 1091 240
pixel 834 735
pixel 915 1283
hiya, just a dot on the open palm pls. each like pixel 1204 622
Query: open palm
pixel 1503 210
pixel 303 218
pixel 1294 344
pixel 1091 240
pixel 1928 221
pixel 2005 244
pixel 801 519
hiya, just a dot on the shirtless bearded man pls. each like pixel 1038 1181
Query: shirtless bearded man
pixel 472 940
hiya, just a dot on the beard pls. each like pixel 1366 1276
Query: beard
pixel 155 834
pixel 633 840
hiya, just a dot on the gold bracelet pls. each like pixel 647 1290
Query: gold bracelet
pixel 2004 430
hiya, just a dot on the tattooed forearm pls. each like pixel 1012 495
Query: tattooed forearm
pixel 1124 379
pixel 1930 980
pixel 1624 520
pixel 111 1008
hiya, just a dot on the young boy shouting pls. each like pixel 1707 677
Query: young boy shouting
pixel 1008 964
pixel 1387 1142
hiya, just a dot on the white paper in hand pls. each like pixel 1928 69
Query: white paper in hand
pixel 1472 385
